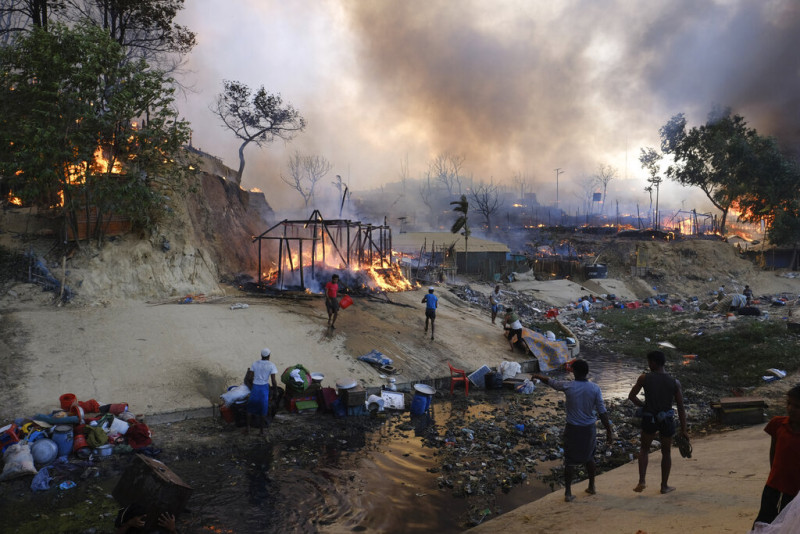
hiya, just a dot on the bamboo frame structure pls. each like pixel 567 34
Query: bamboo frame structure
pixel 354 244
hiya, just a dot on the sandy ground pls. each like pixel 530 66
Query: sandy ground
pixel 718 490
pixel 170 357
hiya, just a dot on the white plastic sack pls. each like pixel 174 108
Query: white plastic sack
pixel 509 369
pixel 787 522
pixel 18 461
pixel 235 394
pixel 550 336
pixel 116 426
pixel 375 400
pixel 526 387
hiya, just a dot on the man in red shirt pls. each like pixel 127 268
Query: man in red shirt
pixel 783 482
pixel 331 302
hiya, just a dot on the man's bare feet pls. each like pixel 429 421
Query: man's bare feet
pixel 569 497
pixel 640 487
pixel 590 490
pixel 667 489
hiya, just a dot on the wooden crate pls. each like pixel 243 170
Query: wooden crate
pixel 152 484
pixel 740 410
pixel 355 396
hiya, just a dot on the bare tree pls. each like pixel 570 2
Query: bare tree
pixel 304 174
pixel 404 174
pixel 651 162
pixel 521 184
pixel 256 118
pixel 605 173
pixel 486 201
pixel 586 186
pixel 426 194
pixel 446 169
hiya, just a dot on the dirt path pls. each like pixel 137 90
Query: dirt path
pixel 718 490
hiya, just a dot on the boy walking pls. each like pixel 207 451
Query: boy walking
pixel 331 302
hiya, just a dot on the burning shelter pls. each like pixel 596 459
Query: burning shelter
pixel 310 251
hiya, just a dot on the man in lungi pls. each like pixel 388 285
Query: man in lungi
pixel 258 402
pixel 584 406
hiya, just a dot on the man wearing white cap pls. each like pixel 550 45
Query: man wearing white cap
pixel 431 303
pixel 258 403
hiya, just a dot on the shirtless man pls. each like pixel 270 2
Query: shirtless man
pixel 660 390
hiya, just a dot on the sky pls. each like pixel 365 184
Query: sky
pixel 515 87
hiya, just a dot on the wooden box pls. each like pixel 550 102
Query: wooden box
pixel 152 484
pixel 355 396
pixel 740 410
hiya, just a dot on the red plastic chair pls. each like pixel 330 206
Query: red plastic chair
pixel 458 375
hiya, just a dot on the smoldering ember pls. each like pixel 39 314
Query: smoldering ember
pixel 252 337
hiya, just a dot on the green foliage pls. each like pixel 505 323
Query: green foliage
pixel 732 163
pixel 67 94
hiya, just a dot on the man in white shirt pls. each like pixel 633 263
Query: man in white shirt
pixel 258 403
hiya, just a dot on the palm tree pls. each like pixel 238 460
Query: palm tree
pixel 462 206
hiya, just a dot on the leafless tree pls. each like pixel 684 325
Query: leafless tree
pixel 486 201
pixel 426 193
pixel 446 169
pixel 521 184
pixel 404 174
pixel 304 174
pixel 605 173
pixel 585 193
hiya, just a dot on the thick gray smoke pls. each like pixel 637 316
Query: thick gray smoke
pixel 514 86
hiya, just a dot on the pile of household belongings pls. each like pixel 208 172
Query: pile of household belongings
pixel 79 429
pixel 379 361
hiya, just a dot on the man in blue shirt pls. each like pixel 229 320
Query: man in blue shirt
pixel 431 303
pixel 584 406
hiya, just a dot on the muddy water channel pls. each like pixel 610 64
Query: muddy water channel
pixel 469 460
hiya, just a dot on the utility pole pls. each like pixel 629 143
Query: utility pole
pixel 558 207
pixel 558 171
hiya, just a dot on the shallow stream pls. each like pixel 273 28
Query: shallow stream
pixel 384 481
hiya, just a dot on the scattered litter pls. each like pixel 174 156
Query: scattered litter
pixel 67 484
pixel 239 306
pixel 777 372
pixel 666 344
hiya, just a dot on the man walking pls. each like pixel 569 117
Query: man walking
pixel 660 390
pixel 584 406
pixel 431 303
pixel 331 302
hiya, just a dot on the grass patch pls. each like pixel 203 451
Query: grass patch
pixel 734 355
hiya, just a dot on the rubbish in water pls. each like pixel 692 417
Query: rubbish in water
pixel 777 372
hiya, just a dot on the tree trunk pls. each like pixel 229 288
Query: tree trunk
pixel 241 163
pixel 722 219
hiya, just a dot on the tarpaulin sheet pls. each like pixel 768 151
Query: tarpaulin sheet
pixel 550 354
